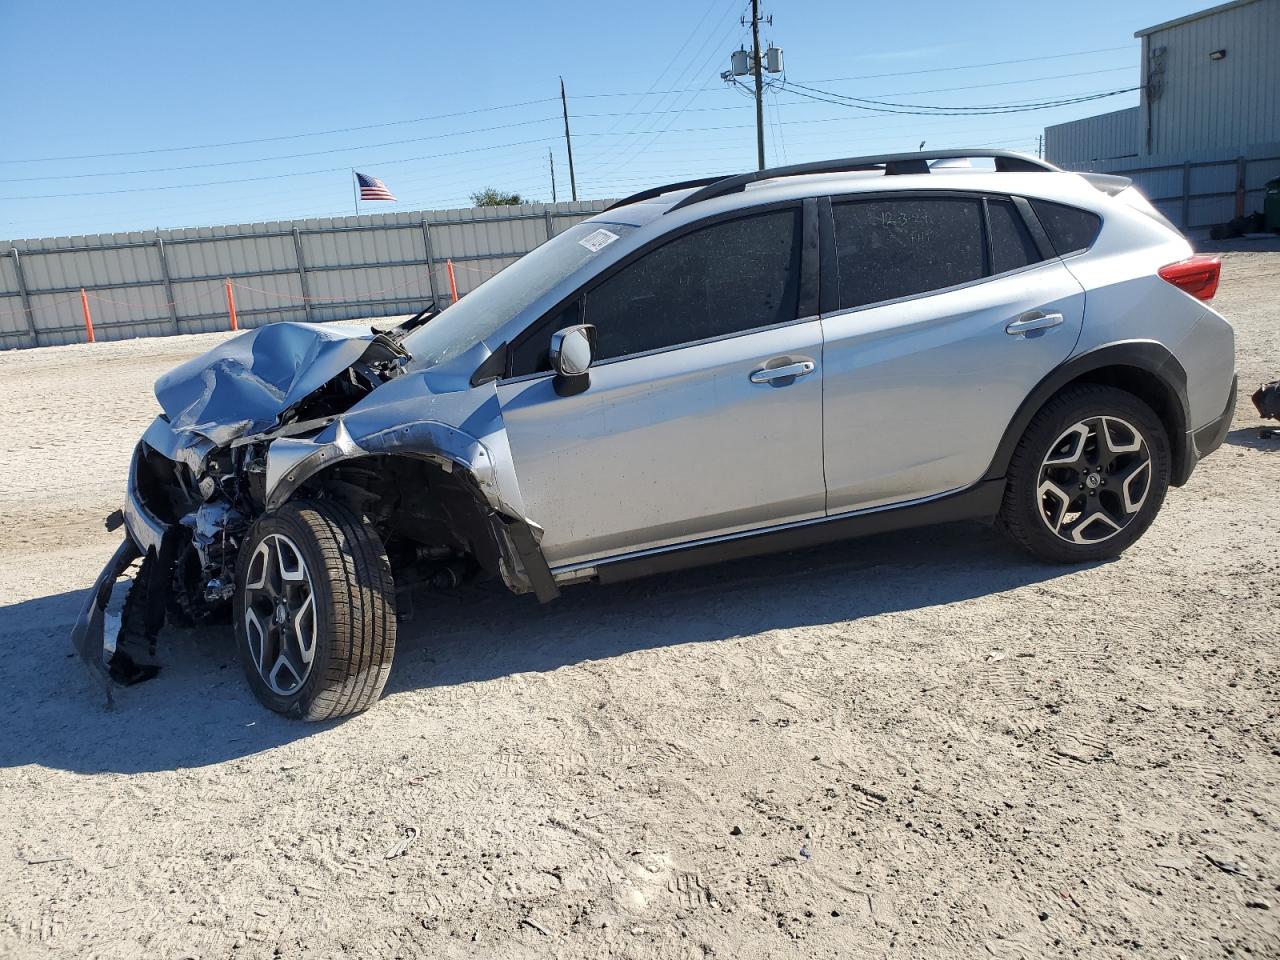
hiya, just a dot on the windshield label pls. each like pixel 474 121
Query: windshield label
pixel 598 240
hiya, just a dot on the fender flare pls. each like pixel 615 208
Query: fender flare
pixel 517 538
pixel 1148 356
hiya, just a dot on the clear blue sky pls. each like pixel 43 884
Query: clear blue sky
pixel 646 102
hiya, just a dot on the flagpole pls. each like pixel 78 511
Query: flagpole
pixel 355 191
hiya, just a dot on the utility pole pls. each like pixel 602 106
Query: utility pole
pixel 551 159
pixel 755 65
pixel 568 143
pixel 1040 146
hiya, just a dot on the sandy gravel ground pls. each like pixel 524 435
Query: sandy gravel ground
pixel 919 745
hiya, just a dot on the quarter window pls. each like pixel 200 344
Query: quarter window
pixel 1069 229
pixel 727 278
pixel 886 249
pixel 1011 244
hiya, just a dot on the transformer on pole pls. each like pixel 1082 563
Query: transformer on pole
pixel 754 63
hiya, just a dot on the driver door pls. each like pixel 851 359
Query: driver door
pixel 682 433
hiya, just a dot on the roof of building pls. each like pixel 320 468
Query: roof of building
pixel 1189 18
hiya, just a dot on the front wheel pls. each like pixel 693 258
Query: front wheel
pixel 315 611
pixel 1088 476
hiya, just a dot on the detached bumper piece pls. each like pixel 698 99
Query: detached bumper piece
pixel 121 647
pixel 1267 399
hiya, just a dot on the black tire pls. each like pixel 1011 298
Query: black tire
pixel 1027 515
pixel 352 622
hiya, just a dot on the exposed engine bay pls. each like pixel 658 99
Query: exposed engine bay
pixel 288 412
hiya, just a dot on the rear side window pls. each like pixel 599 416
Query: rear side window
pixel 726 278
pixel 1011 243
pixel 887 249
pixel 1069 229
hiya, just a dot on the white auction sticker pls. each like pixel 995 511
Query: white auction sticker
pixel 597 240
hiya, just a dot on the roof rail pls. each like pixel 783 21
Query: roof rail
pixel 659 191
pixel 893 164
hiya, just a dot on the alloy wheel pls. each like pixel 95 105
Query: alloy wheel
pixel 1094 480
pixel 280 614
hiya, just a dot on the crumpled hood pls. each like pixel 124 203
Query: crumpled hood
pixel 242 386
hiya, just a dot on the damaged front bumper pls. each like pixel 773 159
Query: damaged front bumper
pixel 88 636
pixel 145 536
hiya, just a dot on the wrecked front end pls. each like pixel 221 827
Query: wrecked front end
pixel 291 412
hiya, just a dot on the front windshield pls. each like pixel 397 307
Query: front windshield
pixel 500 298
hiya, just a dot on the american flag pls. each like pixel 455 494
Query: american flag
pixel 371 188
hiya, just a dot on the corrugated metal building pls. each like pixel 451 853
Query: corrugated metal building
pixel 1211 82
pixel 1212 79
pixel 1108 136
pixel 1206 135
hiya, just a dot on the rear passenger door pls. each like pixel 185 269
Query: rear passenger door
pixel 945 314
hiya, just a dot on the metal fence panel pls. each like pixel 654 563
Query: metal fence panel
pixel 13 317
pixel 1202 188
pixel 151 283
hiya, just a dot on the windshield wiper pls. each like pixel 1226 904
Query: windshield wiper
pixel 398 331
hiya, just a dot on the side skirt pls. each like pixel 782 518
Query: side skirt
pixel 979 502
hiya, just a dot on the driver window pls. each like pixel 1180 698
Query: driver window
pixel 533 355
pixel 727 278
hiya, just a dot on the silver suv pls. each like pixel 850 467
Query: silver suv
pixel 706 370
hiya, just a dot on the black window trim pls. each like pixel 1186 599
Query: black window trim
pixel 807 297
pixel 1041 241
pixel 1038 232
pixel 831 290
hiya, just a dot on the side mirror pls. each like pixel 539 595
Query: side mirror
pixel 572 350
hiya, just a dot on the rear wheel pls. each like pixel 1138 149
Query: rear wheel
pixel 1088 476
pixel 315 611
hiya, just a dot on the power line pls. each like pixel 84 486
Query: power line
pixel 975 66
pixel 1021 81
pixel 940 111
pixel 274 176
pixel 289 136
pixel 716 44
pixel 506 126
pixel 896 73
pixel 671 104
pixel 282 156
pixel 525 103
pixel 925 106
pixel 658 79
pixel 937 112
pixel 690 69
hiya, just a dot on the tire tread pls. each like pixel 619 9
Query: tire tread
pixel 1023 527
pixel 357 626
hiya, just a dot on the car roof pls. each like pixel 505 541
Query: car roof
pixel 663 210
pixel 672 208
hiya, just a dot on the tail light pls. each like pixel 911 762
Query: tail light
pixel 1197 276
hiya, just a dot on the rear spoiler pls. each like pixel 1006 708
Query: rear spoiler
pixel 1108 183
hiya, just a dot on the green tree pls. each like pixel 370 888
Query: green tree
pixel 489 197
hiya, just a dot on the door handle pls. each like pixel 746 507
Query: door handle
pixel 801 368
pixel 1035 320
